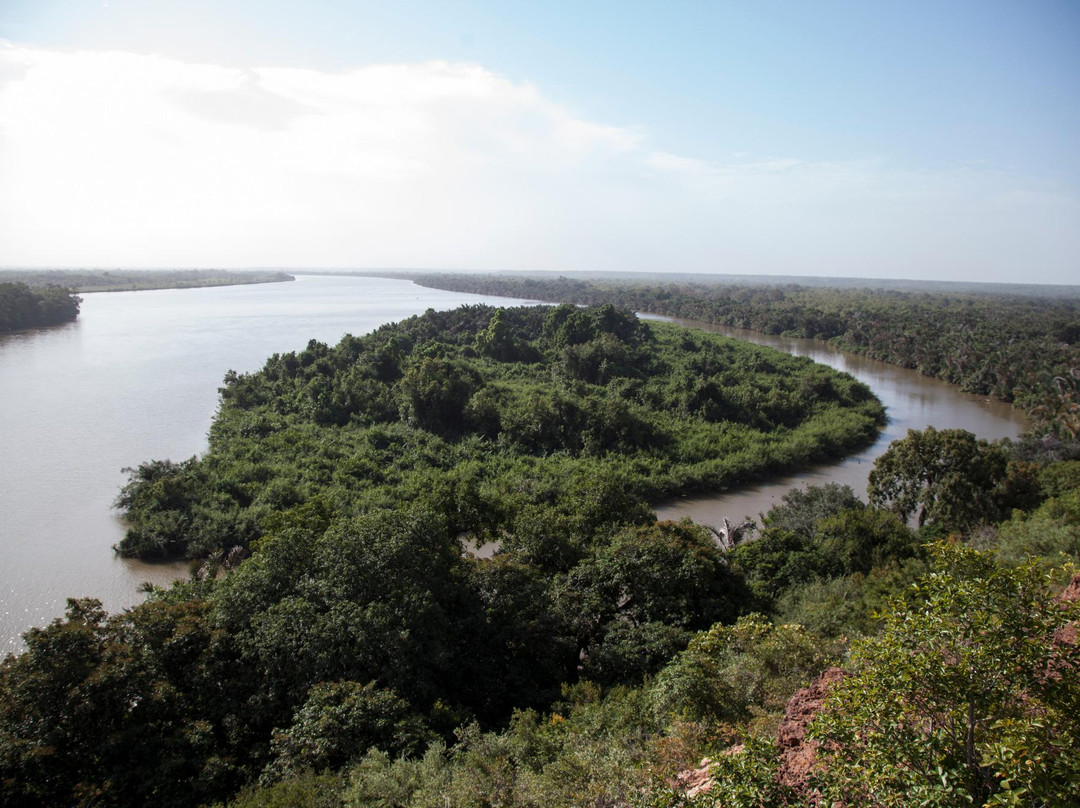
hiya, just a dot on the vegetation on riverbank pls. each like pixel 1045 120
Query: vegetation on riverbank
pixel 1024 350
pixel 130 280
pixel 349 651
pixel 24 307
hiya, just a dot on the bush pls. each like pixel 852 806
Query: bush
pixel 970 698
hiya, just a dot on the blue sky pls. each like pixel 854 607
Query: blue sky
pixel 873 139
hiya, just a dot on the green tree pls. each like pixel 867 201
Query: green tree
pixel 118 711
pixel 434 392
pixel 860 539
pixel 24 307
pixel 968 697
pixel 339 722
pixel 802 508
pixel 947 477
pixel 728 670
pixel 636 600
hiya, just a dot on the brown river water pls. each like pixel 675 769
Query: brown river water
pixel 136 376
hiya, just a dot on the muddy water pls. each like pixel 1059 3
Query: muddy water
pixel 912 401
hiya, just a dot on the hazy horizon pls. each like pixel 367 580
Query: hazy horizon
pixel 920 141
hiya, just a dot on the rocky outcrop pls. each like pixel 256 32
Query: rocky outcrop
pixel 797 753
pixel 1071 593
pixel 1069 634
pixel 694 782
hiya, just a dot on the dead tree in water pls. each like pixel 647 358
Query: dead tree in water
pixel 730 535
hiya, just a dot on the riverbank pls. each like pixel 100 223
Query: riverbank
pixel 140 280
pixel 135 377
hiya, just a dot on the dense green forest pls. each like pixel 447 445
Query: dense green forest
pixel 496 419
pixel 339 645
pixel 128 280
pixel 24 307
pixel 1020 349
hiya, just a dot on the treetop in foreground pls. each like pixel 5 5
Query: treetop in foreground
pixel 970 695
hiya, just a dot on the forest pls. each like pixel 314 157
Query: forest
pixel 491 417
pixel 1020 348
pixel 343 641
pixel 24 307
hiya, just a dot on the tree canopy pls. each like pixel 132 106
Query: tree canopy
pixel 24 307
pixel 494 418
pixel 966 698
pixel 945 477
pixel 1020 345
pixel 430 575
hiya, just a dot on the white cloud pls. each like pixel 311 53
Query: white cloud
pixel 119 159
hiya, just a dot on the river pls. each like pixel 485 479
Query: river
pixel 136 376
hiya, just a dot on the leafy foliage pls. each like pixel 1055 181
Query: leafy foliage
pixel 819 534
pixel 485 414
pixel 360 655
pixel 1022 347
pixel 24 307
pixel 339 722
pixel 966 699
pixel 946 477
pixel 728 672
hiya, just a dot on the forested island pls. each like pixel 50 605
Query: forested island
pixel 24 307
pixel 340 643
pixel 496 418
pixel 1017 346
pixel 130 280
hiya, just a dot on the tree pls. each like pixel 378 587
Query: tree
pixel 860 539
pixel 118 711
pixel 24 307
pixel 635 601
pixel 339 722
pixel 434 392
pixel 803 508
pixel 946 476
pixel 727 671
pixel 972 696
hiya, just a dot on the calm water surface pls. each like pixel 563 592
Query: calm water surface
pixel 135 378
pixel 912 401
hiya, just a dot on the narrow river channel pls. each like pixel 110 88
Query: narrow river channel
pixel 912 401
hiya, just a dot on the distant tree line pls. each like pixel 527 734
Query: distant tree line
pixel 126 280
pixel 1023 350
pixel 24 307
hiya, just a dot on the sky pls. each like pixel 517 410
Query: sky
pixel 924 139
